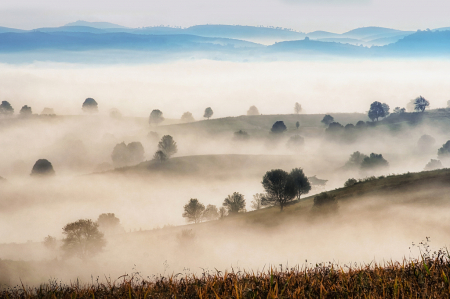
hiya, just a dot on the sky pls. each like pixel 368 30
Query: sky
pixel 301 15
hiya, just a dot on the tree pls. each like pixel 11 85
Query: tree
pixel 334 127
pixel 211 213
pixel 295 142
pixel 376 111
pixel 350 182
pixel 168 145
pixel 48 111
pixel 301 182
pixel 297 108
pixel 327 120
pixel 222 213
pixel 160 156
pixel 208 113
pixel 241 135
pixel 234 203
pixel 385 109
pixel 325 202
pixel 278 127
pixel 187 117
pixel 50 243
pixel 131 154
pixel 360 124
pixel 253 111
pixel 398 110
pixel 42 167
pixel 420 104
pixel 6 108
pixel 426 142
pixel 156 116
pixel 193 211
pixel 355 160
pixel 90 106
pixel 25 111
pixel 109 224
pixel 433 165
pixel 279 186
pixel 82 239
pixel 297 125
pixel 375 162
pixel 444 151
pixel 257 202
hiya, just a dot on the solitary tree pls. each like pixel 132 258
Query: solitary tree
pixel 301 182
pixel 156 116
pixel 193 211
pixel 253 111
pixel 278 127
pixel 279 186
pixel 160 156
pixel 327 120
pixel 109 224
pixel 187 117
pixel 90 106
pixel 374 161
pixel 297 125
pixel 234 203
pixel 211 213
pixel 208 113
pixel 420 104
pixel 257 202
pixel 350 182
pixel 168 145
pixel 297 108
pixel 25 111
pixel 376 111
pixel 42 167
pixel 82 239
pixel 426 142
pixel 6 108
pixel 444 151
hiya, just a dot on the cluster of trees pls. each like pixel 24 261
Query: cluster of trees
pixel 194 211
pixel 127 154
pixel 85 238
pixel 156 116
pixel 373 162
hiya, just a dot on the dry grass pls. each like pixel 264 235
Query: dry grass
pixel 423 278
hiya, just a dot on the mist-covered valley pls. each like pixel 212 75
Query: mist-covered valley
pixel 375 218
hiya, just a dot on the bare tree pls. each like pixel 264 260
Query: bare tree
pixel 257 202
pixel 211 213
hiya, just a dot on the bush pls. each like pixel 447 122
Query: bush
pixel 325 200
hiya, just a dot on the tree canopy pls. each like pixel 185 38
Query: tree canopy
pixel 374 161
pixel 278 127
pixel 82 239
pixel 25 111
pixel 109 224
pixel 124 155
pixel 301 182
pixel 327 120
pixel 42 167
pixel 211 213
pixel 90 106
pixel 193 211
pixel 234 203
pixel 257 202
pixel 156 117
pixel 252 111
pixel 187 117
pixel 208 113
pixel 160 156
pixel 376 111
pixel 444 151
pixel 279 186
pixel 168 146
pixel 6 108
pixel 355 160
pixel 420 104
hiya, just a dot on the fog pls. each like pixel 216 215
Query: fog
pixel 211 164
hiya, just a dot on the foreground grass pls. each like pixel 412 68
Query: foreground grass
pixel 424 278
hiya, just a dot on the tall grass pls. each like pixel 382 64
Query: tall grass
pixel 426 277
